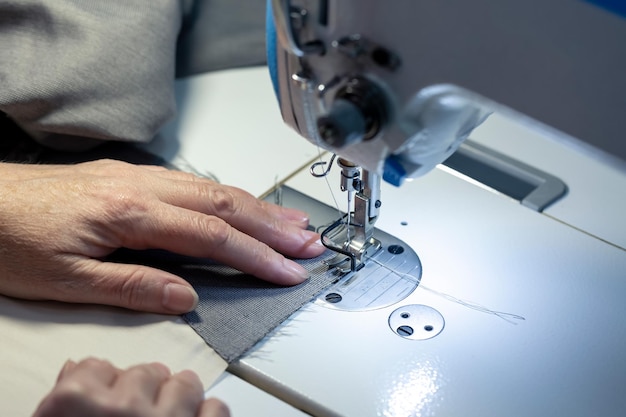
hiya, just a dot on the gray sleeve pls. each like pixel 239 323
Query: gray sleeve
pixel 221 34
pixel 74 72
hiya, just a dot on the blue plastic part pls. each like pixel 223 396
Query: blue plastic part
pixel 615 6
pixel 270 45
pixel 393 172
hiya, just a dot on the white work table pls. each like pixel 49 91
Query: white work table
pixel 563 270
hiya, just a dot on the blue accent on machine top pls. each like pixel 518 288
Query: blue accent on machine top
pixel 615 6
pixel 270 42
pixel 393 171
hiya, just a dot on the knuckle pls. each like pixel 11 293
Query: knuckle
pixel 133 290
pixel 142 371
pixel 117 193
pixel 148 372
pixel 263 254
pixel 188 381
pixel 224 202
pixel 93 362
pixel 96 365
pixel 119 199
pixel 119 206
pixel 218 231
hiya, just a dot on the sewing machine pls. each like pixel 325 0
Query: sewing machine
pixel 561 269
pixel 518 309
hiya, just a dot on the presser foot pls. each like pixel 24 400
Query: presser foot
pixel 353 258
pixel 387 272
pixel 355 248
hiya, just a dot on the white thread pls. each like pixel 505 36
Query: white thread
pixel 508 317
pixel 312 131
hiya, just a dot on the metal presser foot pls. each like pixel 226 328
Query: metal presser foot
pixel 352 236
pixel 374 269
pixel 386 276
pixel 370 269
pixel 351 253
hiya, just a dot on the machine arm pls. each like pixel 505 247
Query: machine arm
pixel 396 87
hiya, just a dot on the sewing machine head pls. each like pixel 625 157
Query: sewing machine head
pixel 396 89
pixel 349 91
pixel 338 85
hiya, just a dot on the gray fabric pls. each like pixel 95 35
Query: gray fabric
pixel 94 69
pixel 235 310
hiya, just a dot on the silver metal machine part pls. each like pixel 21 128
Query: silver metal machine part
pixel 396 88
pixel 416 322
pixel 391 272
pixel 356 241
pixel 364 188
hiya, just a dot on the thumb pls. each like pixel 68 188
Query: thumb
pixel 135 287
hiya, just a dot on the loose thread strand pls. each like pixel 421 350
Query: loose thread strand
pixel 508 317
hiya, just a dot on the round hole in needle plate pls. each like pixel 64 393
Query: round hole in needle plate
pixel 333 298
pixel 416 322
pixel 396 249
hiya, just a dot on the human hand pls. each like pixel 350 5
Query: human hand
pixel 96 388
pixel 58 222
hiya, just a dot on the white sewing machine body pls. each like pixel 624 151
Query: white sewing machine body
pixel 520 303
pixel 357 79
pixel 563 270
pixel 566 357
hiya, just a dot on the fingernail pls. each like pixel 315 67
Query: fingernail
pixel 296 216
pixel 318 244
pixel 296 272
pixel 179 298
pixel 313 245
